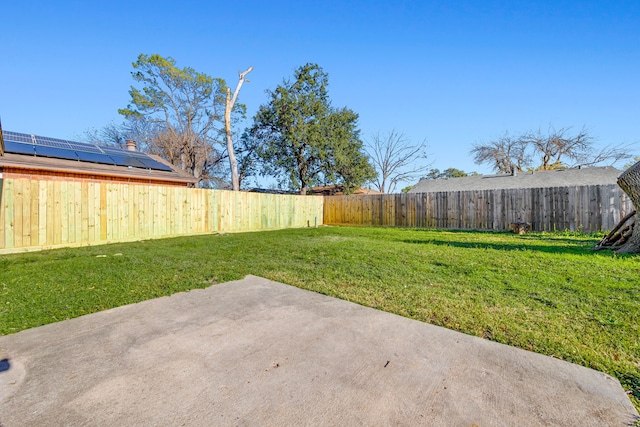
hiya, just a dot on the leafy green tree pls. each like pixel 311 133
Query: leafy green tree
pixel 182 111
pixel 448 173
pixel 454 173
pixel 407 188
pixel 247 158
pixel 303 141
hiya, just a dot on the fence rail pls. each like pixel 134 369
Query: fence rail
pixel 40 214
pixel 583 208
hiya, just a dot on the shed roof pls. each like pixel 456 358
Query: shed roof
pixel 555 178
pixel 36 153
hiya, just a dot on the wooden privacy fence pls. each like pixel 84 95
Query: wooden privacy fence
pixel 584 208
pixel 37 214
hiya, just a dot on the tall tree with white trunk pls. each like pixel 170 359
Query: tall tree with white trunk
pixel 231 100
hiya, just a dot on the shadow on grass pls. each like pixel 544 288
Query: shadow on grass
pixel 554 249
pixel 584 240
pixel 630 382
pixel 568 237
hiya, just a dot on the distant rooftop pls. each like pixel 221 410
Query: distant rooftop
pixel 555 178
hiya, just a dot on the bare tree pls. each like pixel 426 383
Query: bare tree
pixel 396 159
pixel 109 135
pixel 505 154
pixel 558 148
pixel 233 163
pixel 609 154
pixel 558 143
pixel 190 152
pixel 200 158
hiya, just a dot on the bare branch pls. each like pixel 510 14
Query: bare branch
pixel 559 143
pixel 554 147
pixel 394 157
pixel 608 154
pixel 504 153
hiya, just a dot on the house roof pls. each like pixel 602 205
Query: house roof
pixel 36 153
pixel 555 178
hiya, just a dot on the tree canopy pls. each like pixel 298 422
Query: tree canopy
pixel 448 173
pixel 178 114
pixel 304 141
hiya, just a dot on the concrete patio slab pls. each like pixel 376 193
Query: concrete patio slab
pixel 256 352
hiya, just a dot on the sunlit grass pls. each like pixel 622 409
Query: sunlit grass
pixel 547 293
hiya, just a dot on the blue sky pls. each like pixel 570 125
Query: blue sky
pixel 449 72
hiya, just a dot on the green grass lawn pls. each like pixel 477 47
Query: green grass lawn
pixel 547 293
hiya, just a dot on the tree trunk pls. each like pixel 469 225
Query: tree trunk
pixel 233 163
pixel 620 233
pixel 629 181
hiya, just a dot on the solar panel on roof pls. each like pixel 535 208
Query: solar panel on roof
pixel 154 164
pixel 120 160
pixel 63 143
pixel 86 147
pixel 132 161
pixel 18 147
pixel 55 152
pixel 95 157
pixel 21 143
pixel 121 152
pixel 17 137
pixel 135 159
pixel 50 142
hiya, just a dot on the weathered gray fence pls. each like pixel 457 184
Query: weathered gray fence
pixel 584 208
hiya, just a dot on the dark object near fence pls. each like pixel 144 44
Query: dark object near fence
pixel 520 227
pixel 619 235
pixel 629 181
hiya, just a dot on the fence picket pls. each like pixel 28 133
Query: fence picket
pixel 45 214
pixel 585 208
